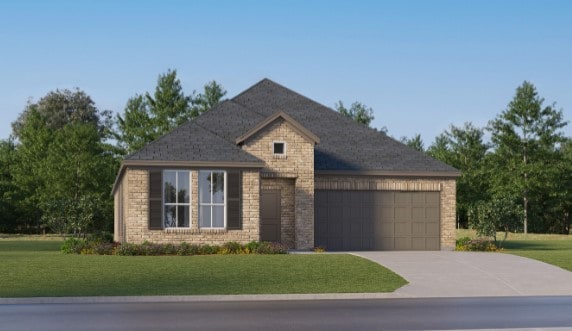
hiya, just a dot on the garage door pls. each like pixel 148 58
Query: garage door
pixel 376 220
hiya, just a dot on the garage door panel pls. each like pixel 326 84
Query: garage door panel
pixel 402 214
pixel 432 229
pixel 432 213
pixel 418 243
pixel 402 229
pixel 432 244
pixel 403 198
pixel 432 198
pixel 418 229
pixel 384 198
pixel 418 198
pixel 402 243
pixel 380 220
pixel 418 213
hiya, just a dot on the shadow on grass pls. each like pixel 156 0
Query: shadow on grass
pixel 536 245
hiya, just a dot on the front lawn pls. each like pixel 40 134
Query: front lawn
pixel 549 248
pixel 38 269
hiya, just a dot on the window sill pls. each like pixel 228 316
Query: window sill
pixel 280 156
pixel 196 231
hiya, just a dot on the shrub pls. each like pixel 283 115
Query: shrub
pixel 319 249
pixel 266 247
pixel 73 246
pixel 82 246
pixel 231 247
pixel 475 245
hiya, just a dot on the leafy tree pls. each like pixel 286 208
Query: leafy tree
pixel 357 111
pixel 61 107
pixel 525 137
pixel 10 216
pixel 465 149
pixel 147 117
pixel 61 157
pixel 212 96
pixel 487 217
pixel 416 142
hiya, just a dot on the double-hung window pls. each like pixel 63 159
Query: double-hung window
pixel 176 199
pixel 212 199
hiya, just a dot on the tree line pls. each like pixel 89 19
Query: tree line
pixel 58 166
pixel 520 179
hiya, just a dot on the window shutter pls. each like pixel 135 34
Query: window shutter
pixel 155 200
pixel 233 201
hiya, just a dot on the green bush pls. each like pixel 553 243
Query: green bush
pixel 74 246
pixel 475 245
pixel 95 246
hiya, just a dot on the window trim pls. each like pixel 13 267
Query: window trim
pixel 176 204
pixel 211 203
pixel 283 146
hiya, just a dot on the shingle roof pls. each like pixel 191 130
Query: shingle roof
pixel 191 142
pixel 344 144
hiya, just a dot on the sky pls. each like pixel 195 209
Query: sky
pixel 420 65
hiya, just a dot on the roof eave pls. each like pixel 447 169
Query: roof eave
pixel 389 173
pixel 288 119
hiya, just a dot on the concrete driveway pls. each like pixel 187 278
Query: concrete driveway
pixel 468 274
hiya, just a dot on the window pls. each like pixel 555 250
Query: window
pixel 279 148
pixel 212 199
pixel 176 199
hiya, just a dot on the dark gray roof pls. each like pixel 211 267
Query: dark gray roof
pixel 191 142
pixel 344 144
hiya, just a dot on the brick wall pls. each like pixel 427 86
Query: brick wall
pixel 298 165
pixel 135 183
pixel 446 187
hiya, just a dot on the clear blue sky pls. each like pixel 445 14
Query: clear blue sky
pixel 421 65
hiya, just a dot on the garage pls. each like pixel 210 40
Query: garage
pixel 376 220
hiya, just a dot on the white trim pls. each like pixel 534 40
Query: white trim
pixel 176 203
pixel 284 146
pixel 212 203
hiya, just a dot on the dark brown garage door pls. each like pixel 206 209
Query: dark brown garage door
pixel 377 220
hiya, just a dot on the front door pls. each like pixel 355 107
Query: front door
pixel 270 216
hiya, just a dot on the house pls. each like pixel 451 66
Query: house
pixel 273 165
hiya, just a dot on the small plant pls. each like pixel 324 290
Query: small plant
pixel 231 247
pixel 266 247
pixel 74 246
pixel 319 249
pixel 475 245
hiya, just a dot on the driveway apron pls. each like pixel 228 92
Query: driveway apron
pixel 472 274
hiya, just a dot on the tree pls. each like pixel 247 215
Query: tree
pixel 357 111
pixel 465 149
pixel 63 156
pixel 416 142
pixel 487 217
pixel 147 117
pixel 212 96
pixel 9 196
pixel 525 136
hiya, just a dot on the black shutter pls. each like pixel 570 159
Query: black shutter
pixel 234 190
pixel 155 200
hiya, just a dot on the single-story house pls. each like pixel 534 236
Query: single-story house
pixel 273 165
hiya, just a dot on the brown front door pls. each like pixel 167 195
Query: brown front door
pixel 270 216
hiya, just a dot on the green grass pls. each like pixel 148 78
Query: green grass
pixel 549 248
pixel 38 269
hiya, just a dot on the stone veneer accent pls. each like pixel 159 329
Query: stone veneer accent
pixel 446 187
pixel 298 165
pixel 135 218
